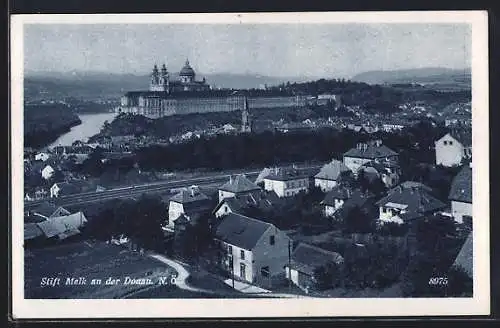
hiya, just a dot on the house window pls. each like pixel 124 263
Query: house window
pixel 271 240
pixel 225 209
pixel 242 270
pixel 450 143
pixel 264 271
pixel 242 254
pixel 230 249
pixel 445 142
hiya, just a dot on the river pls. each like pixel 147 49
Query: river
pixel 91 125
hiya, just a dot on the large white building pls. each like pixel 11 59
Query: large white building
pixel 461 196
pixel 286 182
pixel 453 148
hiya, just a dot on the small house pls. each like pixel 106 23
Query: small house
pixel 236 186
pixel 460 196
pixel 367 152
pixel 454 148
pixel 330 175
pixel 305 260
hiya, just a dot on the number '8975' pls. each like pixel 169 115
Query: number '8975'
pixel 439 281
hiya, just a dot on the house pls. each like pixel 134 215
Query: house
pixel 355 200
pixel 38 194
pixel 48 210
pixel 264 202
pixel 42 156
pixel 74 187
pixel 239 185
pixel 393 126
pixel 404 204
pixel 305 260
pixel 388 171
pixel 454 147
pixel 190 202
pixel 264 173
pixel 334 199
pixel 48 172
pixel 460 196
pixel 286 182
pixel 330 175
pixel 251 250
pixel 464 259
pixel 62 227
pixel 367 152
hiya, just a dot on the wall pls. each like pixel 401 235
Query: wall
pixel 273 256
pixel 325 185
pixel 286 188
pixel 225 194
pixel 354 163
pixel 224 209
pixel 174 210
pixel 459 209
pixel 249 258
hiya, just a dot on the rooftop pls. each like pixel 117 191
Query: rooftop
pixel 414 200
pixel 464 258
pixel 238 184
pixel 306 258
pixel 332 170
pixel 189 195
pixel 461 186
pixel 241 231
pixel 338 192
pixel 286 174
pixel 370 150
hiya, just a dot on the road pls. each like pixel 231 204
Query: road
pixel 157 187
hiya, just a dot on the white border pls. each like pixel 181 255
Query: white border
pixel 189 308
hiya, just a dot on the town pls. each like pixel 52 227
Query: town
pixel 325 188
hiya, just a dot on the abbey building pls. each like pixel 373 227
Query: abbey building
pixel 184 95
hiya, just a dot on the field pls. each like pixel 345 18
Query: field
pixel 92 260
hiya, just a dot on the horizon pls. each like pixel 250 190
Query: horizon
pixel 279 50
pixel 249 74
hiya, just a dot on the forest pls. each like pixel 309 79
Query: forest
pixel 45 123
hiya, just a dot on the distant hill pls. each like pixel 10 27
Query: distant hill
pixel 94 85
pixel 431 77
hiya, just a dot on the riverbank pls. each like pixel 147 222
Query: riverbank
pixel 43 124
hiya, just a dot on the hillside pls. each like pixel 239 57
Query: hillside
pixel 435 78
pixel 45 123
pixel 96 85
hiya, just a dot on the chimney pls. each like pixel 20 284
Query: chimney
pixel 230 179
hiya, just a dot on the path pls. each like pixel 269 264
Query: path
pixel 182 274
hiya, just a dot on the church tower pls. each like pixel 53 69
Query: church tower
pixel 155 76
pixel 246 125
pixel 159 79
pixel 164 79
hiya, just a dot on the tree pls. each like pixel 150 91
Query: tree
pixel 358 220
pixel 327 276
pixel 148 223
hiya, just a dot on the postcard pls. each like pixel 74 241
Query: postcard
pixel 250 165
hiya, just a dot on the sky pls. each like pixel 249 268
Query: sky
pixel 279 50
